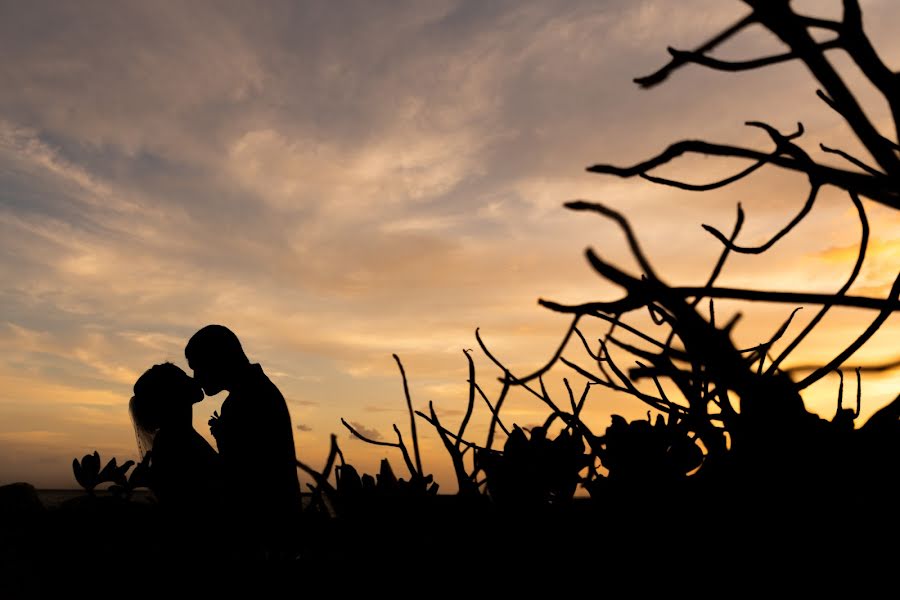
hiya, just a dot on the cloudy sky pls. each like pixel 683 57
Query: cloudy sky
pixel 340 181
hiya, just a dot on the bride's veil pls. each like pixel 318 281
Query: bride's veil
pixel 145 427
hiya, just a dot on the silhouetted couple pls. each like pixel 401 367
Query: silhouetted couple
pixel 246 495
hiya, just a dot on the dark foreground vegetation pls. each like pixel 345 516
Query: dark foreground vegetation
pixel 729 479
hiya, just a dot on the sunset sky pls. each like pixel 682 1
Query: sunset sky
pixel 340 181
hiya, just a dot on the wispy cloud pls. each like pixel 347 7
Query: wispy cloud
pixel 371 408
pixel 369 432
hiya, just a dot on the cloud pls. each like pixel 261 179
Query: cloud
pixel 449 412
pixel 302 427
pixel 296 377
pixel 879 269
pixel 33 437
pixel 305 402
pixel 369 432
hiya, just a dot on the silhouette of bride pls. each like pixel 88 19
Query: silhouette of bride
pixel 185 472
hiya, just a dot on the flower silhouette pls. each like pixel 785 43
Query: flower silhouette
pixel 89 475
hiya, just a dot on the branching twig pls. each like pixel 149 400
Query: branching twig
pixel 876 188
pixel 494 411
pixel 852 159
pixel 441 429
pixel 877 368
pixel 744 65
pixel 807 206
pixel 414 470
pixel 857 344
pixel 676 62
pixel 763 349
pixel 495 420
pixel 321 479
pixel 412 420
pixel 552 360
pixel 368 440
pixel 656 403
pixel 471 403
pixel 860 258
pixel 634 302
pixel 720 264
pixel 713 185
pixel 624 225
pixel 465 481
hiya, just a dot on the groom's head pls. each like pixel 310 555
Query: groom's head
pixel 215 354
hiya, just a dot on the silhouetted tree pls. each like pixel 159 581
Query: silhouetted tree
pixel 771 426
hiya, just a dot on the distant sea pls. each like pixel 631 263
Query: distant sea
pixel 54 498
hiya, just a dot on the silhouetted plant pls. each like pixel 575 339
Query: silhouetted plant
pixel 534 470
pixel 89 475
pixel 140 477
pixel 353 488
pixel 352 493
pixel 641 454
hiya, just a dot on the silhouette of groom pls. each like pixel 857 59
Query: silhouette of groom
pixel 254 438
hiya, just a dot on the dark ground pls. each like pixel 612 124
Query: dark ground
pixel 90 546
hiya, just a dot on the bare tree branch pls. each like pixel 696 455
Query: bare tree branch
pixel 495 420
pixel 571 397
pixel 876 368
pixel 875 188
pixel 807 206
pixel 744 65
pixel 852 159
pixel 471 403
pixel 464 480
pixel 821 23
pixel 857 267
pixel 581 401
pixel 659 387
pixel 662 366
pixel 857 344
pixel 553 358
pixel 414 470
pixel 674 352
pixel 860 49
pixel 633 302
pixel 705 187
pixel 886 304
pixel 763 349
pixel 676 62
pixel 840 398
pixel 494 411
pixel 367 439
pixel 781 20
pixel 447 432
pixel 720 264
pixel 624 225
pixel 321 479
pixel 412 420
